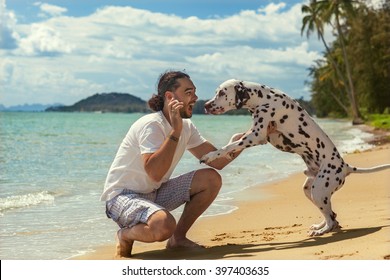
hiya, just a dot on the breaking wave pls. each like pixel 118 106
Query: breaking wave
pixel 23 201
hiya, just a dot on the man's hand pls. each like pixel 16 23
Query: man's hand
pixel 174 114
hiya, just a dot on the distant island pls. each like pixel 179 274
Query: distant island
pixel 121 103
pixel 27 107
pixel 114 103
pixel 106 102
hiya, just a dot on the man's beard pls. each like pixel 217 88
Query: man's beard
pixel 184 114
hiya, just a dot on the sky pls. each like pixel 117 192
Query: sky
pixel 62 51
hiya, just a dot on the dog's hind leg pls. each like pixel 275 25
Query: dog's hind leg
pixel 307 187
pixel 321 197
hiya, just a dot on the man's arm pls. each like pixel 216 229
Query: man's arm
pixel 158 163
pixel 207 147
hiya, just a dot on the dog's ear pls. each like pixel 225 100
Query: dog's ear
pixel 242 95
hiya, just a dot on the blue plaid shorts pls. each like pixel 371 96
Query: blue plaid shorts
pixel 130 208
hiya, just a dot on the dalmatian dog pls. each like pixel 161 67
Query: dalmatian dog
pixel 281 121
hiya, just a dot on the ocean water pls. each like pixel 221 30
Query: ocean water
pixel 53 167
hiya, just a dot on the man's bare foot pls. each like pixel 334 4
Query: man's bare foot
pixel 174 243
pixel 123 247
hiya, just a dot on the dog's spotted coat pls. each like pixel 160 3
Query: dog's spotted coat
pixel 281 121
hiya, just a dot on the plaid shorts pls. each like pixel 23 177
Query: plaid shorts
pixel 130 208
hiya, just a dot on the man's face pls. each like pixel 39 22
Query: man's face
pixel 186 93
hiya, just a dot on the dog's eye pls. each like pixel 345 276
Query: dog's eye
pixel 221 93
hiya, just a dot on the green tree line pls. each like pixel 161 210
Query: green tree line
pixel 352 79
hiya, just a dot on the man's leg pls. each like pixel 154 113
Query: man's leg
pixel 159 227
pixel 205 187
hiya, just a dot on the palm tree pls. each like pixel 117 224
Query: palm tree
pixel 319 13
pixel 328 83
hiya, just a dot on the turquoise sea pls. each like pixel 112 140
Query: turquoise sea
pixel 53 167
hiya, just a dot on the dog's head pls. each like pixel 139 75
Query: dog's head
pixel 231 94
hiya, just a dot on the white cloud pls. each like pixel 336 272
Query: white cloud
pixel 243 57
pixel 272 8
pixel 64 59
pixel 8 34
pixel 44 83
pixel 6 71
pixel 50 10
pixel 43 40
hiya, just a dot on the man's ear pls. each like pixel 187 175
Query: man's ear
pixel 169 95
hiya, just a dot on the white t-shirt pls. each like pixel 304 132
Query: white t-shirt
pixel 146 136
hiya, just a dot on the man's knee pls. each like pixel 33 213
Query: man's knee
pixel 215 179
pixel 210 178
pixel 162 225
pixel 164 233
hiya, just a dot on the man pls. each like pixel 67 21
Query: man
pixel 139 192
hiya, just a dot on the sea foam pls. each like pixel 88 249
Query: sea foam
pixel 26 200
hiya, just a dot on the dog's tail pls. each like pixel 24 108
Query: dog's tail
pixel 352 169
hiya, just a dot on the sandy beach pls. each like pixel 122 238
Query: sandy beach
pixel 272 222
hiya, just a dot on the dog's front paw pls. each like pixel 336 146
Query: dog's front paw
pixel 208 158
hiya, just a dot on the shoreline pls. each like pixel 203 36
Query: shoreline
pixel 272 221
